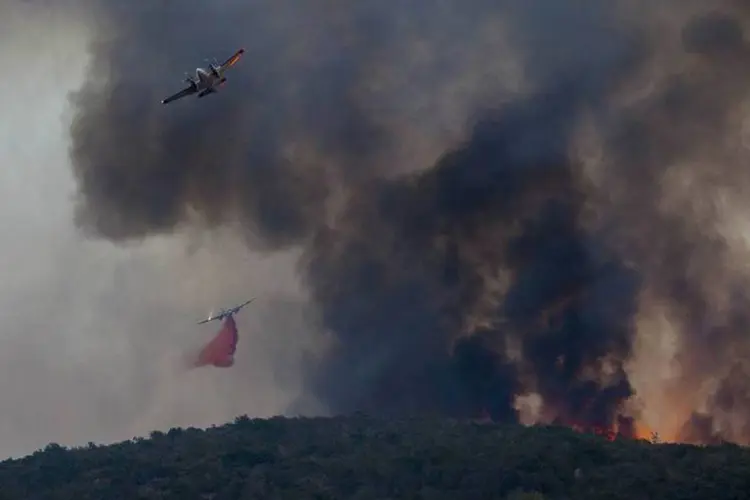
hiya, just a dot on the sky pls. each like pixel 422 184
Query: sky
pixel 93 335
pixel 519 207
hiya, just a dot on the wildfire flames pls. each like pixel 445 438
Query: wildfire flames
pixel 624 428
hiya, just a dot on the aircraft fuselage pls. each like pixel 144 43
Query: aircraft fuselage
pixel 206 78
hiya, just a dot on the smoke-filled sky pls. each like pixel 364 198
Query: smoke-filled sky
pixel 93 334
pixel 524 207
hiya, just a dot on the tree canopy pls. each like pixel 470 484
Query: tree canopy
pixel 362 458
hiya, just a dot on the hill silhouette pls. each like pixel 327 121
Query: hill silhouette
pixel 359 457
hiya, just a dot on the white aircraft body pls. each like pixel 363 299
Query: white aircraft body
pixel 225 312
pixel 206 81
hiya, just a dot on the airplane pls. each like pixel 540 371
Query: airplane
pixel 206 81
pixel 225 312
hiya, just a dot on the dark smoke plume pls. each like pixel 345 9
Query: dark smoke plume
pixel 427 157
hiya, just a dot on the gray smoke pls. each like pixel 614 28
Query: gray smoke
pixel 91 334
pixel 493 199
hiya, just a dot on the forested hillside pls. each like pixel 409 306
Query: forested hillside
pixel 363 458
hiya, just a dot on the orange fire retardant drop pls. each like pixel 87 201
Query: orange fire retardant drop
pixel 220 350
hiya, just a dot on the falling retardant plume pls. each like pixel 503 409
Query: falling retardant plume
pixel 94 333
pixel 220 350
pixel 521 208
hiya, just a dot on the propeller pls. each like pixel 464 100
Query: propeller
pixel 214 66
pixel 189 79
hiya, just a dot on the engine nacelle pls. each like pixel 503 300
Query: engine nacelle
pixel 189 79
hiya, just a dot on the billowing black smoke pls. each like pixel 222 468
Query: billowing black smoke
pixel 506 266
pixel 398 306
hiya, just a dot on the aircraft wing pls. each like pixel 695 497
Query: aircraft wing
pixel 209 90
pixel 232 60
pixel 211 317
pixel 236 309
pixel 179 95
pixel 246 303
pixel 226 312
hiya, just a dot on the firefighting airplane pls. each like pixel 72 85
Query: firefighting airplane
pixel 206 81
pixel 225 312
